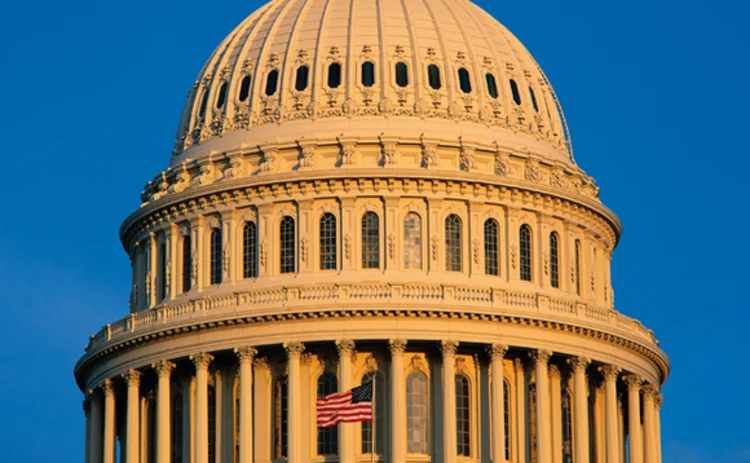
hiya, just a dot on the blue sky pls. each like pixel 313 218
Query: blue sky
pixel 655 93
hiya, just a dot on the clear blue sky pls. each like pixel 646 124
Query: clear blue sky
pixel 656 94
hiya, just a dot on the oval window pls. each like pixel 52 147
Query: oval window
pixel 222 96
pixel 368 74
pixel 464 81
pixel 303 73
pixel 514 91
pixel 433 75
pixel 533 99
pixel 402 75
pixel 334 75
pixel 245 88
pixel 272 82
pixel 492 86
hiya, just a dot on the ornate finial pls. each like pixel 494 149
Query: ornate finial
pixel 202 360
pixel 345 346
pixel 448 348
pixel 163 368
pixel 246 353
pixel 497 351
pixel 294 349
pixel 397 346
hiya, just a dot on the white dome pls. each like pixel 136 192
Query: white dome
pixel 233 104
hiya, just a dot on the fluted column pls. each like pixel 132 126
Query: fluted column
pixel 294 351
pixel 520 425
pixel 346 430
pixel 200 438
pixel 610 373
pixel 497 354
pixel 163 412
pixel 581 412
pixel 634 418
pixel 133 381
pixel 108 389
pixel 543 431
pixel 649 424
pixel 556 413
pixel 246 356
pixel 450 448
pixel 398 397
pixel 95 435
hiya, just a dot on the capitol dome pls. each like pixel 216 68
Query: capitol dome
pixel 372 191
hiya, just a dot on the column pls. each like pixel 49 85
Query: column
pixel 132 438
pixel 108 389
pixel 95 436
pixel 657 417
pixel 294 403
pixel 87 416
pixel 543 432
pixel 450 448
pixel 346 430
pixel 634 418
pixel 520 410
pixel 497 354
pixel 649 424
pixel 610 373
pixel 556 415
pixel 581 410
pixel 163 411
pixel 200 438
pixel 398 401
pixel 246 356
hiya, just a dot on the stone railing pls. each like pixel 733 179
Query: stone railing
pixel 322 298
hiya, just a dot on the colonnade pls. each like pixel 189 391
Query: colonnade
pixel 643 441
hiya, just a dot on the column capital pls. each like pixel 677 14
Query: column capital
pixel 497 351
pixel 246 353
pixel 345 346
pixel 132 377
pixel 86 404
pixel 540 355
pixel 658 400
pixel 579 363
pixel 107 387
pixel 91 395
pixel 448 348
pixel 554 371
pixel 201 360
pixel 163 368
pixel 294 349
pixel 518 363
pixel 397 346
pixel 261 362
pixel 610 372
pixel 633 381
pixel 650 390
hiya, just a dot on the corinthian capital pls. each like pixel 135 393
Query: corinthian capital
pixel 397 346
pixel 540 356
pixel 107 387
pixel 610 372
pixel 294 349
pixel 163 368
pixel 202 360
pixel 132 377
pixel 633 381
pixel 448 348
pixel 497 351
pixel 650 390
pixel 579 363
pixel 345 346
pixel 246 353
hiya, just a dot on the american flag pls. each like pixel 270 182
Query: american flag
pixel 346 407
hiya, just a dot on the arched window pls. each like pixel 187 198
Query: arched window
pixel 506 401
pixel 533 99
pixel 303 73
pixel 402 74
pixel 463 416
pixel 249 250
pixel 215 270
pixel 161 262
pixel 492 85
pixel 177 425
pixel 222 96
pixel 577 266
pixel 187 264
pixel 211 424
pixel 433 76
pixel 272 82
pixel 287 246
pixel 413 241
pixel 379 390
pixel 368 74
pixel 453 243
pixel 464 81
pixel 328 242
pixel 416 413
pixel 280 419
pixel 328 440
pixel 491 254
pixel 514 91
pixel 334 75
pixel 524 238
pixel 245 87
pixel 204 103
pixel 554 260
pixel 567 426
pixel 370 240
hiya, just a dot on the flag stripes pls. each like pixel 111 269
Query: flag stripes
pixel 345 407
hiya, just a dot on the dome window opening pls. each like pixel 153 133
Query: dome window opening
pixel 288 243
pixel 368 74
pixel 204 103
pixel 514 91
pixel 525 245
pixel 245 88
pixel 303 74
pixel 272 82
pixel 492 85
pixel 533 99
pixel 402 75
pixel 433 75
pixel 370 241
pixel 216 257
pixel 222 96
pixel 464 81
pixel 334 75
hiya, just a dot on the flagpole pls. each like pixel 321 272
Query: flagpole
pixel 374 412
